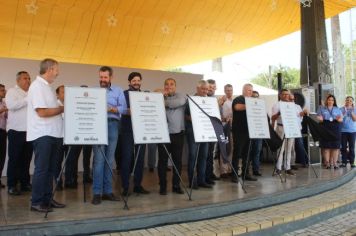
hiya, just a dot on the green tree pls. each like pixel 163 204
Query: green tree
pixel 290 77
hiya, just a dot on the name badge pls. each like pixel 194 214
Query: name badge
pixel 331 119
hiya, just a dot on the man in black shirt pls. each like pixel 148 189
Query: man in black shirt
pixel 240 133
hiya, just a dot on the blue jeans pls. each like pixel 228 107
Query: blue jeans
pixel 348 140
pixel 300 152
pixel 202 157
pixel 255 154
pixel 46 151
pixel 102 177
pixel 128 158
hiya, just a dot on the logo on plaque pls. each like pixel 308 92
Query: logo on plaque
pixel 86 94
pixel 203 101
pixel 76 138
pixel 147 98
pixel 144 138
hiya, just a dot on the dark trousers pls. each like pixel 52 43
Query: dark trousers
pixel 348 140
pixel 210 162
pixel 241 146
pixel 175 148
pixel 46 151
pixel 20 156
pixel 118 153
pixel 300 152
pixel 256 154
pixel 127 160
pixel 72 163
pixel 63 153
pixel 2 150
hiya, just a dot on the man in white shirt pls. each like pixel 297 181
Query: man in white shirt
pixel 45 130
pixel 20 151
pixel 286 150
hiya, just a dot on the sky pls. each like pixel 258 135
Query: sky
pixel 285 51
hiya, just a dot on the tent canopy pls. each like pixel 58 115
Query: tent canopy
pixel 151 34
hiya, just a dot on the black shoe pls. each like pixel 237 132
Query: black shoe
pixel 96 199
pixel 140 190
pixel 290 172
pixel 2 185
pixel 214 177
pixel 177 190
pixel 278 172
pixel 41 208
pixel 125 193
pixel 225 176
pixel 163 191
pixel 27 188
pixel 343 165
pixel 210 181
pixel 109 197
pixel 71 185
pixel 56 204
pixel 256 173
pixel 59 188
pixel 205 185
pixel 87 180
pixel 195 186
pixel 294 167
pixel 151 169
pixel 250 178
pixel 13 191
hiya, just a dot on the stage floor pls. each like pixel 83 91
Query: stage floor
pixel 15 210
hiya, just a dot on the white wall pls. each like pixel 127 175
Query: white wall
pixel 79 74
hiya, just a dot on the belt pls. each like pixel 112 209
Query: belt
pixel 279 124
pixel 112 119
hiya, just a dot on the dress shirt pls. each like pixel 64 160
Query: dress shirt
pixel 16 101
pixel 175 108
pixel 226 109
pixel 3 116
pixel 40 95
pixel 115 98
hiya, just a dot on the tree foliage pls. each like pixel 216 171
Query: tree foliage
pixel 290 77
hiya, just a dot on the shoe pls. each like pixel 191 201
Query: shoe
pixel 336 167
pixel 71 185
pixel 56 204
pixel 205 185
pixel 290 172
pixel 169 169
pixel 96 199
pixel 151 169
pixel 256 173
pixel 41 208
pixel 163 191
pixel 278 172
pixel 109 197
pixel 225 176
pixel 195 186
pixel 250 178
pixel 294 167
pixel 27 188
pixel 87 180
pixel 328 167
pixel 2 185
pixel 177 190
pixel 305 165
pixel 59 188
pixel 214 177
pixel 210 181
pixel 343 165
pixel 125 193
pixel 13 191
pixel 140 190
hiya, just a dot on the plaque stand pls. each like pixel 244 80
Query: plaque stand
pixel 194 169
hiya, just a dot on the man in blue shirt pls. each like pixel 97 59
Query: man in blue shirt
pixel 116 105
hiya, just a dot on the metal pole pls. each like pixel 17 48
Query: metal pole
pixel 352 57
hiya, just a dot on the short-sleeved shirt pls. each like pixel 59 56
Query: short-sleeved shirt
pixel 348 125
pixel 16 101
pixel 239 118
pixel 226 109
pixel 329 115
pixel 115 98
pixel 41 95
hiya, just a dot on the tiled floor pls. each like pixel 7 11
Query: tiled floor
pixel 14 210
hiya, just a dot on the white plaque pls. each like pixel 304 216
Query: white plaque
pixel 85 116
pixel 309 95
pixel 290 120
pixel 148 116
pixel 257 118
pixel 202 127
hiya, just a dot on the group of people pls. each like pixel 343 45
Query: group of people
pixel 31 118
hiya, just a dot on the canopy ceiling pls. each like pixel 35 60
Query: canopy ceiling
pixel 151 34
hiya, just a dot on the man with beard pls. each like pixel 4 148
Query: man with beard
pixel 128 147
pixel 116 106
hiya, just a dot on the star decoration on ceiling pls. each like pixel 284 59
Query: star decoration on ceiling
pixel 32 8
pixel 229 38
pixel 165 28
pixel 306 3
pixel 274 5
pixel 112 21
